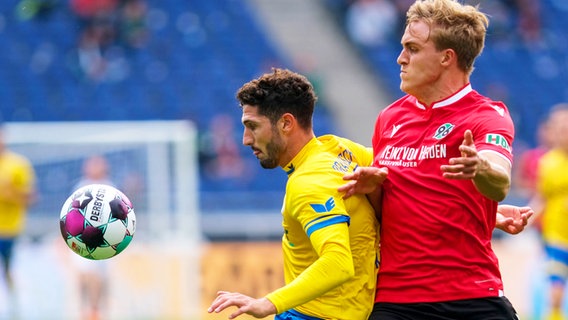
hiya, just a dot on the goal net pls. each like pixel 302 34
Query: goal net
pixel 155 164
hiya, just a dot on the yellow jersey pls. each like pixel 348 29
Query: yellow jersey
pixel 330 244
pixel 17 180
pixel 552 184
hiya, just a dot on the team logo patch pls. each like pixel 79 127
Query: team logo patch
pixel 498 140
pixel 326 207
pixel 443 131
pixel 290 169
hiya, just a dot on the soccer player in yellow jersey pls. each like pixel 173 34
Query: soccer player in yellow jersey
pixel 552 186
pixel 17 181
pixel 329 243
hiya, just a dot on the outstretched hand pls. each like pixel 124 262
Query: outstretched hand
pixel 258 308
pixel 466 166
pixel 513 219
pixel 364 180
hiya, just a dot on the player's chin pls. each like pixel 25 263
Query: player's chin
pixel 268 163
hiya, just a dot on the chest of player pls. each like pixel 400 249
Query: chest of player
pixel 416 141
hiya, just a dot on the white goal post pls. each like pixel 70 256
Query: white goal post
pixel 155 164
pixel 152 162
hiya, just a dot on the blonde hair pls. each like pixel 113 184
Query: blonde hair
pixel 454 26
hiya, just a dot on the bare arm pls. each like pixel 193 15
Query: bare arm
pixel 490 173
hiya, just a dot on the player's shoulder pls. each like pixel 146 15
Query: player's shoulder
pixel 340 142
pixel 346 150
pixel 404 101
pixel 484 104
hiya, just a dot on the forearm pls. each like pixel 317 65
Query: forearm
pixel 492 179
pixel 329 271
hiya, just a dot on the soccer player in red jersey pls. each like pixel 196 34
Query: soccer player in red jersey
pixel 442 154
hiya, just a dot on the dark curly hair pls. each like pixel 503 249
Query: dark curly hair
pixel 282 91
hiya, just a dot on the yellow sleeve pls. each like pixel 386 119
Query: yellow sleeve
pixel 364 155
pixel 333 267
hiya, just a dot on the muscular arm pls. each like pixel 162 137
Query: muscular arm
pixel 490 173
pixel 493 177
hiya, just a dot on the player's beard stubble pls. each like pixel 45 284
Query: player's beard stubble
pixel 274 149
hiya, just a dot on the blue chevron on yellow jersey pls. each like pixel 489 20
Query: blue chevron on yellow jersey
pixel 322 208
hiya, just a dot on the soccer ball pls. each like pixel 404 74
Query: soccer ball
pixel 97 221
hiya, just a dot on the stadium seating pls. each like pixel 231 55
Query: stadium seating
pixel 198 54
pixel 528 77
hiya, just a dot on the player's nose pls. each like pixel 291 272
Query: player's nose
pixel 247 138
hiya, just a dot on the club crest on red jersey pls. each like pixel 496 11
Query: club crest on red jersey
pixel 443 131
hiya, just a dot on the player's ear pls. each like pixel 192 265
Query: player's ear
pixel 286 122
pixel 448 56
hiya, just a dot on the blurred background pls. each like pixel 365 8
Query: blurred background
pixel 150 86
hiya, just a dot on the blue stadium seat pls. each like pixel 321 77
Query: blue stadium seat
pixel 532 77
pixel 200 57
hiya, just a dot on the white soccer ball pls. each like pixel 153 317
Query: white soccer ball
pixel 97 221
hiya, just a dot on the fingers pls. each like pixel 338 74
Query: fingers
pixel 517 225
pixel 467 142
pixel 237 313
pixel 525 213
pixel 526 216
pixel 468 138
pixel 351 176
pixel 513 226
pixel 508 221
pixel 217 304
pixel 348 189
pixel 464 167
pixel 223 300
pixel 458 171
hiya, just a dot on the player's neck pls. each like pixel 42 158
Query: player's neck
pixel 442 89
pixel 296 141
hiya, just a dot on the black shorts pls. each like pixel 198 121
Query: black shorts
pixel 494 308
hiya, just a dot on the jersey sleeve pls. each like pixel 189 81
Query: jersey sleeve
pixel 362 155
pixel 320 209
pixel 333 267
pixel 494 130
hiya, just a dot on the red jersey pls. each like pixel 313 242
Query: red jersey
pixel 436 232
